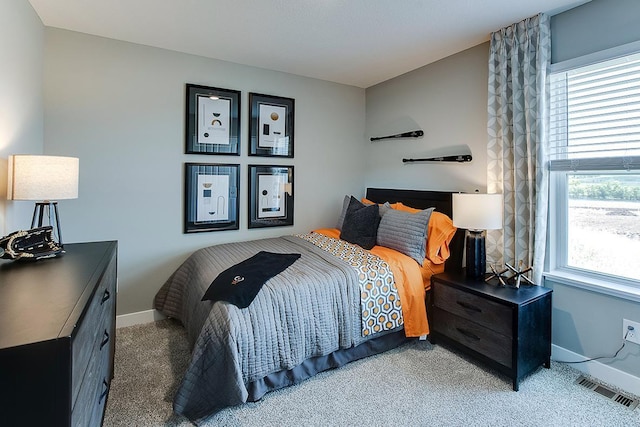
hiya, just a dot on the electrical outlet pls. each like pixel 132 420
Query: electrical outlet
pixel 633 335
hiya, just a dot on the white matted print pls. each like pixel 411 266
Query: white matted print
pixel 213 120
pixel 213 203
pixel 272 128
pixel 271 193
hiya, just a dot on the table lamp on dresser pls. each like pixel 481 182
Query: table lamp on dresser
pixel 45 179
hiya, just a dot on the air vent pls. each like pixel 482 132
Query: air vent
pixel 607 392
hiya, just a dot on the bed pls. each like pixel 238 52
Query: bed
pixel 336 303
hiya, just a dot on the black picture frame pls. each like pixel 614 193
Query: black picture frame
pixel 270 196
pixel 211 197
pixel 271 125
pixel 212 120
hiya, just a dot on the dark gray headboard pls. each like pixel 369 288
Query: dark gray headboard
pixel 421 199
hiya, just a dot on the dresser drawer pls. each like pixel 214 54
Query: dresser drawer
pixel 89 406
pixel 495 346
pixel 101 401
pixel 92 329
pixel 494 316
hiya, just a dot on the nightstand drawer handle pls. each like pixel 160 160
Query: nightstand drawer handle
pixel 105 340
pixel 469 306
pixel 105 296
pixel 469 334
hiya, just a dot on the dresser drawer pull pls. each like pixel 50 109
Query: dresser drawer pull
pixel 469 306
pixel 105 339
pixel 468 334
pixel 105 296
pixel 105 391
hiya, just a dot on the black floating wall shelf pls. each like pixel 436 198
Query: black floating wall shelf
pixel 460 158
pixel 412 134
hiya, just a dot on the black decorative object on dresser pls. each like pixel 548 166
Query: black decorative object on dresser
pixel 507 328
pixel 57 337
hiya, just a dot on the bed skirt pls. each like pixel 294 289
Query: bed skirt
pixel 310 367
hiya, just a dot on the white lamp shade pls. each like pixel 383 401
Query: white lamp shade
pixel 34 177
pixel 475 211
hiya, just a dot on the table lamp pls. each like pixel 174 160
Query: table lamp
pixel 476 213
pixel 45 179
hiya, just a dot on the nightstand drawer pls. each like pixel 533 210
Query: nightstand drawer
pixel 495 346
pixel 487 313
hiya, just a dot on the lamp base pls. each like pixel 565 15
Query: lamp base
pixel 476 254
pixel 52 213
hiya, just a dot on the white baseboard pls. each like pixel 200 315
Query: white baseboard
pixel 605 373
pixel 139 318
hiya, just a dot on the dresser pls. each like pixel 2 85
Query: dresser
pixel 507 328
pixel 57 337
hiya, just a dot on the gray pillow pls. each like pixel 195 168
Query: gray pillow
pixel 345 206
pixel 384 208
pixel 405 232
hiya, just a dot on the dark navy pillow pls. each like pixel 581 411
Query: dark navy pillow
pixel 360 225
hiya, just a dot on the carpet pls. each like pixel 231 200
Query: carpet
pixel 417 384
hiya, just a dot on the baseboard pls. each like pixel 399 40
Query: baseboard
pixel 605 373
pixel 138 318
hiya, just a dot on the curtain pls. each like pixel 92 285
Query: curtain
pixel 517 125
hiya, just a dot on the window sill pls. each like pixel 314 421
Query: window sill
pixel 612 288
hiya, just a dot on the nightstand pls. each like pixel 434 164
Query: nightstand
pixel 507 328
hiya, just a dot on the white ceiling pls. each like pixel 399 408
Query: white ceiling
pixel 355 42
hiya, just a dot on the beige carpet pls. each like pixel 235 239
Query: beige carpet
pixel 415 385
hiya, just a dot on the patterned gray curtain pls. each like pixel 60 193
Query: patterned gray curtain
pixel 517 124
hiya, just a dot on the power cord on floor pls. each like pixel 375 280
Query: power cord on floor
pixel 624 341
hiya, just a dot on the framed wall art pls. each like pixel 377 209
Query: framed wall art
pixel 212 120
pixel 211 200
pixel 270 196
pixel 271 125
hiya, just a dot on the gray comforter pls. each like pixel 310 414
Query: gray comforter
pixel 311 309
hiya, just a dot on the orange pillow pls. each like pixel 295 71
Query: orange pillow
pixel 366 201
pixel 399 206
pixel 393 205
pixel 439 234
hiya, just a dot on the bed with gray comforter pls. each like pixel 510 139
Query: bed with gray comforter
pixel 309 312
pixel 304 320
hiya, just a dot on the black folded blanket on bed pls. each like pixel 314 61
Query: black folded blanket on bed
pixel 241 283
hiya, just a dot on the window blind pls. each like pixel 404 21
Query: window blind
pixel 595 116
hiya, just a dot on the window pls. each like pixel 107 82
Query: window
pixel 594 163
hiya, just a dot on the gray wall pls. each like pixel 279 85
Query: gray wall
pixel 21 106
pixel 446 99
pixel 585 322
pixel 119 107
